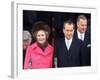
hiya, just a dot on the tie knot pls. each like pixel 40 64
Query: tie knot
pixel 81 36
pixel 68 44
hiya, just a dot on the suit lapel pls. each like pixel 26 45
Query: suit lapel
pixel 69 52
pixel 64 46
pixel 85 38
pixel 72 46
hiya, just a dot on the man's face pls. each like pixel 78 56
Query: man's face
pixel 82 25
pixel 41 37
pixel 68 30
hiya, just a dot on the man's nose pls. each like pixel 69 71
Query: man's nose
pixel 68 33
pixel 84 26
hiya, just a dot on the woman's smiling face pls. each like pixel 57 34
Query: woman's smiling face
pixel 41 36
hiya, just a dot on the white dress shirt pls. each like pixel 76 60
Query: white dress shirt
pixel 80 35
pixel 68 43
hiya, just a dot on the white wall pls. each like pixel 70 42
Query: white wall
pixel 5 38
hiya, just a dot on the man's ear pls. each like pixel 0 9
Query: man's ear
pixel 77 23
pixel 63 30
pixel 74 30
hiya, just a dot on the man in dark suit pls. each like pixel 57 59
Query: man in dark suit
pixel 68 49
pixel 82 34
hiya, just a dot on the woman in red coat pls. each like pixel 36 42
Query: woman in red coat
pixel 41 52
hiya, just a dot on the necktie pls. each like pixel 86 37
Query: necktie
pixel 81 37
pixel 68 45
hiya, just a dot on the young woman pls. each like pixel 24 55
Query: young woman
pixel 41 52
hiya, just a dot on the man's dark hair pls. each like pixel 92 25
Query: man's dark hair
pixel 70 22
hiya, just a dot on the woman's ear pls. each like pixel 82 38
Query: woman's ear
pixel 47 35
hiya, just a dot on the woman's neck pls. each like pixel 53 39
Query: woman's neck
pixel 43 46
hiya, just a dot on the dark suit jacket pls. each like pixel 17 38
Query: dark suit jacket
pixel 86 50
pixel 68 58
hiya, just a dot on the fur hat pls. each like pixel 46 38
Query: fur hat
pixel 40 25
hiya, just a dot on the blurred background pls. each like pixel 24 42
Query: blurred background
pixel 53 19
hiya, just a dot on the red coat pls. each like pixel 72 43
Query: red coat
pixel 39 58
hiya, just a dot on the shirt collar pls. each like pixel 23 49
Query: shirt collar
pixel 68 40
pixel 78 34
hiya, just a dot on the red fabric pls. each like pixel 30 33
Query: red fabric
pixel 40 59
